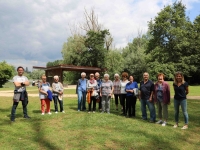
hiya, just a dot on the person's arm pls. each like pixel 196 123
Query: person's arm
pixel 152 91
pixel 62 88
pixel 42 91
pixel 168 93
pixel 139 93
pixel 100 90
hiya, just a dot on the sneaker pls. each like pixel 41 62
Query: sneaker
pixel 27 117
pixel 93 111
pixel 164 123
pixel 159 122
pixel 49 113
pixel 42 114
pixel 88 112
pixel 152 121
pixel 78 110
pixel 63 111
pixel 56 112
pixel 184 127
pixel 175 126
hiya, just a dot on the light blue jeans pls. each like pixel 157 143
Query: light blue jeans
pixel 151 109
pixel 81 99
pixel 183 104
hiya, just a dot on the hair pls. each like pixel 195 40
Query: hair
pixel 177 73
pixel 56 77
pixel 160 74
pixel 83 74
pixel 116 75
pixel 125 74
pixel 20 67
pixel 97 73
pixel 91 74
pixel 106 75
pixel 146 73
pixel 43 75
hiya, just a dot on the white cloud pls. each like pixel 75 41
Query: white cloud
pixel 33 32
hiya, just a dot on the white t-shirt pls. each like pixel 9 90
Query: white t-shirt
pixel 123 86
pixel 20 79
pixel 45 87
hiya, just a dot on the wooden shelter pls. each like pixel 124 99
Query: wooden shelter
pixel 58 70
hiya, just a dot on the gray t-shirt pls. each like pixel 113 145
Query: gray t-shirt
pixel 20 79
pixel 106 87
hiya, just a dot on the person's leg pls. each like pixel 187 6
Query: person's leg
pixel 94 104
pixel 90 104
pixel 123 103
pixel 48 105
pixel 159 110
pixel 24 105
pixel 143 109
pixel 108 104
pixel 133 104
pixel 152 111
pixel 42 105
pixel 61 105
pixel 55 99
pixel 184 110
pixel 116 100
pixel 128 106
pixel 79 99
pixel 13 110
pixel 176 110
pixel 164 111
pixel 103 102
pixel 84 101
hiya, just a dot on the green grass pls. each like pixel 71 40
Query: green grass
pixel 80 130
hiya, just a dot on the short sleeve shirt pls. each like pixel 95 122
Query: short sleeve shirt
pixel 106 87
pixel 146 89
pixel 116 85
pixel 20 79
pixel 180 91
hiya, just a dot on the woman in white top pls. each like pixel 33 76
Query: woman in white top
pixel 124 81
pixel 92 88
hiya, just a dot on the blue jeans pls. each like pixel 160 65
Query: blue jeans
pixel 81 99
pixel 183 104
pixel 151 109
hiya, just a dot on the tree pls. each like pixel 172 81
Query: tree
pixel 54 63
pixel 6 72
pixel 169 47
pixel 36 74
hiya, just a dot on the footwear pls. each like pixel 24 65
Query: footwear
pixel 164 123
pixel 108 112
pixel 42 114
pixel 159 122
pixel 56 112
pixel 63 111
pixel 88 112
pixel 12 120
pixel 151 121
pixel 175 126
pixel 102 112
pixel 49 113
pixel 78 110
pixel 27 117
pixel 93 111
pixel 184 127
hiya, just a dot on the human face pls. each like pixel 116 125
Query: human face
pixel 179 78
pixel 145 76
pixel 44 78
pixel 160 79
pixel 131 79
pixel 97 76
pixel 106 78
pixel 56 79
pixel 20 71
pixel 91 76
pixel 82 76
pixel 116 77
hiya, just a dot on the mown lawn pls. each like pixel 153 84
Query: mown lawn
pixel 80 130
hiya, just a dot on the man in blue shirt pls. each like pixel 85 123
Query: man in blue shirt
pixel 81 91
pixel 146 98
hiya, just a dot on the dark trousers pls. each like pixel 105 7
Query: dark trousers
pixel 123 102
pixel 130 105
pixel 56 101
pixel 15 104
pixel 100 106
pixel 93 101
pixel 117 96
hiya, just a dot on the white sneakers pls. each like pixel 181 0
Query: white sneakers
pixel 48 113
pixel 161 122
pixel 42 114
pixel 164 123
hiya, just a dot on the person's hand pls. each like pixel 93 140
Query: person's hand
pixel 46 94
pixel 150 99
pixel 100 94
pixel 60 93
pixel 110 94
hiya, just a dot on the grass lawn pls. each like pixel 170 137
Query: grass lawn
pixel 80 130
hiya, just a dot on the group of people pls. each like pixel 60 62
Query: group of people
pixel 95 90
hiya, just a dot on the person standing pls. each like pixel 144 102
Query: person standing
pixel 116 92
pixel 20 93
pixel 146 98
pixel 99 81
pixel 181 90
pixel 44 93
pixel 123 92
pixel 57 89
pixel 131 88
pixel 162 98
pixel 92 87
pixel 81 91
pixel 106 91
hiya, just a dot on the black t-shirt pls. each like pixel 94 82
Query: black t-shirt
pixel 180 91
pixel 146 89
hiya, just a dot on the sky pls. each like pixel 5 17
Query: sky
pixel 32 32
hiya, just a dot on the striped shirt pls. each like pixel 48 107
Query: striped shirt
pixel 116 85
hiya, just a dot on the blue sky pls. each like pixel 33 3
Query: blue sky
pixel 32 32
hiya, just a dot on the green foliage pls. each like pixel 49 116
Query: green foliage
pixel 36 74
pixel 6 72
pixel 54 63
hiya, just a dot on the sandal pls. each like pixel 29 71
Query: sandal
pixel 175 126
pixel 184 127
